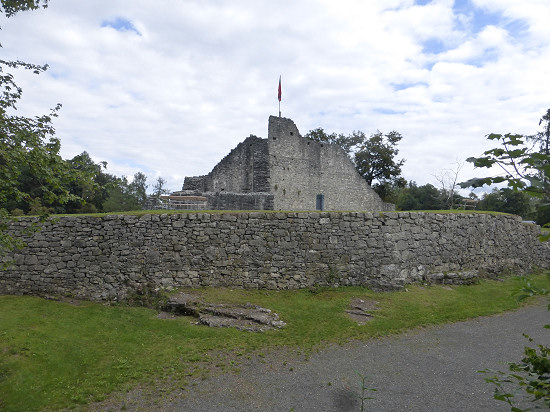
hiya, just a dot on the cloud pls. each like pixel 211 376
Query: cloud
pixel 169 88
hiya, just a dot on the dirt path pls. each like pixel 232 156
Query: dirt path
pixel 432 369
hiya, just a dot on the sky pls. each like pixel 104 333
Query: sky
pixel 169 87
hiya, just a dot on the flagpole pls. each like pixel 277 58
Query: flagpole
pixel 279 96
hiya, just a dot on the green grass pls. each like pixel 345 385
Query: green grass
pixel 56 355
pixel 171 212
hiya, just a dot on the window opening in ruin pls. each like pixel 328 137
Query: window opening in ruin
pixel 320 202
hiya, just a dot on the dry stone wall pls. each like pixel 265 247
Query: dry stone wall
pixel 108 257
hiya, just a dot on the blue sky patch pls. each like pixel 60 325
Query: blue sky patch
pixel 120 24
pixel 404 86
pixel 387 111
pixel 478 18
pixel 433 46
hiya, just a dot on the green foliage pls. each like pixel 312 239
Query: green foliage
pixel 426 197
pixel 506 201
pixel 12 7
pixel 31 169
pixel 125 196
pixel 348 143
pixel 87 183
pixel 364 390
pixel 513 158
pixel 34 179
pixel 542 216
pixel 31 165
pixel 420 198
pixel 374 157
pixel 524 162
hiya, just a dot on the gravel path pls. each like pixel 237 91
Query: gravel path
pixel 431 369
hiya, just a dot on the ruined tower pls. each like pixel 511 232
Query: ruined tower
pixel 284 172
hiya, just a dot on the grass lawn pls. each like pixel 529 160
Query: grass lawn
pixel 56 354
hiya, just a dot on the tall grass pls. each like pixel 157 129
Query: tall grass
pixel 55 354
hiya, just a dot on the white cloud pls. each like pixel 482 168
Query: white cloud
pixel 193 79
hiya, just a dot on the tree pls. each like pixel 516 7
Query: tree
pixel 348 143
pixel 29 152
pixel 159 187
pixel 507 201
pixel 11 7
pixel 414 197
pixel 33 176
pixel 524 167
pixel 374 157
pixel 125 196
pixel 89 184
pixel 138 188
pixel 391 192
pixel 542 140
pixel 448 181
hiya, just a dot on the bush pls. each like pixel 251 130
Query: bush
pixel 543 215
pixel 17 212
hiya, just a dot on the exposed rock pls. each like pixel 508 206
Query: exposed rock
pixel 242 317
pixel 360 310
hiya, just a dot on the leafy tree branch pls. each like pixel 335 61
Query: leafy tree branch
pixel 525 166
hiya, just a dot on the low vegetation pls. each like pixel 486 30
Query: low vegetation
pixel 163 211
pixel 61 354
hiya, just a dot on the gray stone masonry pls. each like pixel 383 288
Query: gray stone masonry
pixel 108 257
pixel 302 169
pixel 244 170
pixel 285 172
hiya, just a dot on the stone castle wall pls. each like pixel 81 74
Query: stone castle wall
pixel 111 256
pixel 239 201
pixel 296 171
pixel 244 170
pixel 303 169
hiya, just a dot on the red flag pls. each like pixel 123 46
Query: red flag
pixel 279 95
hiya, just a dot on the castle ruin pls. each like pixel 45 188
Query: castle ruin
pixel 283 172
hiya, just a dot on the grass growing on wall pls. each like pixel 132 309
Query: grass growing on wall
pixel 171 212
pixel 55 355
